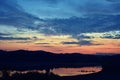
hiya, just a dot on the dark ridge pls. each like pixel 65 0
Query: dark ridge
pixel 22 60
pixel 39 60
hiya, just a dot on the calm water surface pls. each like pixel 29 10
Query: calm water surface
pixel 76 71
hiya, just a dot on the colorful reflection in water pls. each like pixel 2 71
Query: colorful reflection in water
pixel 76 71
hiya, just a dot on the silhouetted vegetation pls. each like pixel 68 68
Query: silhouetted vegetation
pixel 32 76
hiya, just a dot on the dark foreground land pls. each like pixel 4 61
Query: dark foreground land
pixel 51 76
pixel 37 76
pixel 28 60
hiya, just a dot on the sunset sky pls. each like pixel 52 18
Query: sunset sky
pixel 60 26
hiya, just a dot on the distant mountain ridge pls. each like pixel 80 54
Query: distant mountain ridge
pixel 26 60
pixel 39 51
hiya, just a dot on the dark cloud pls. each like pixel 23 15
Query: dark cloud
pixel 117 37
pixel 75 25
pixel 41 43
pixel 85 42
pixel 12 38
pixel 78 43
pixel 81 43
pixel 111 36
pixel 23 42
pixel 4 34
pixel 81 36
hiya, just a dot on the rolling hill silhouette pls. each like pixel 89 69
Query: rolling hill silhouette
pixel 30 60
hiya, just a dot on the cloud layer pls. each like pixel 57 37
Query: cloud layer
pixel 69 8
pixel 100 16
pixel 12 38
pixel 59 24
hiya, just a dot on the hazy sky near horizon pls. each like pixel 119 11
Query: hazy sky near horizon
pixel 60 26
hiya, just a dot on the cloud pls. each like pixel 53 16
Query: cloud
pixel 42 43
pixel 85 42
pixel 13 14
pixel 4 34
pixel 82 36
pixel 76 25
pixel 69 8
pixel 81 43
pixel 111 36
pixel 12 38
pixel 102 35
pixel 23 42
pixel 69 14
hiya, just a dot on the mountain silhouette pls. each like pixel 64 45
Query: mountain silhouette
pixel 22 59
pixel 41 60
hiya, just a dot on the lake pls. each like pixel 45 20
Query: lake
pixel 76 71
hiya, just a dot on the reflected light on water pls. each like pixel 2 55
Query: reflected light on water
pixel 1 74
pixel 76 71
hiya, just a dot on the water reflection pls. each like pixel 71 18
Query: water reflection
pixel 76 71
pixel 60 71
pixel 1 74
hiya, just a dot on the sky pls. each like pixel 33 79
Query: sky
pixel 60 26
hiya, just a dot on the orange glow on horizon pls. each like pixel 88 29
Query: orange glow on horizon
pixel 54 44
pixel 62 48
